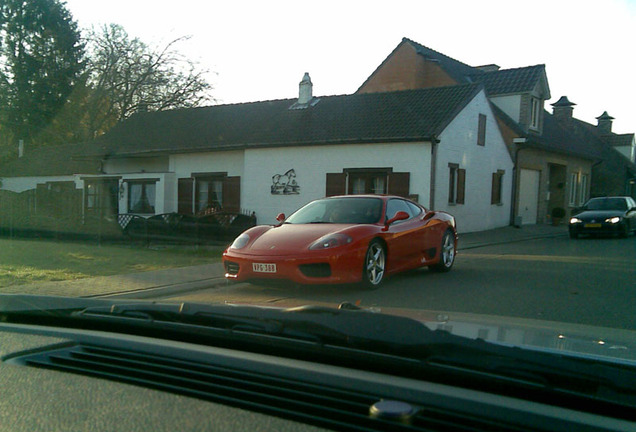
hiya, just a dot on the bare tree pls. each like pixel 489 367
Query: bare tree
pixel 126 76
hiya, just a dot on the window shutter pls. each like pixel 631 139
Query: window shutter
pixel 493 189
pixel 399 184
pixel 336 183
pixel 461 185
pixel 232 194
pixel 184 196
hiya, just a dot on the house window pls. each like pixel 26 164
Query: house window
pixel 209 193
pixel 456 184
pixel 574 177
pixel 141 197
pixel 583 189
pixel 535 112
pixel 497 186
pixel 368 182
pixel 481 133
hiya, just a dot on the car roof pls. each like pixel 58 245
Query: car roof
pixel 382 196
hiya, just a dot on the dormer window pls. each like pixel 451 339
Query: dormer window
pixel 535 113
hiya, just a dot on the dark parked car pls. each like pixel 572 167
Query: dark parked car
pixel 607 215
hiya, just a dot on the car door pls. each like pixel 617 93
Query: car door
pixel 404 238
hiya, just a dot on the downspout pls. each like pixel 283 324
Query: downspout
pixel 515 178
pixel 434 142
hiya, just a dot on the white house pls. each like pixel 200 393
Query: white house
pixel 440 146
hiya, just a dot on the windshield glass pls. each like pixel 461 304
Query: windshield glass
pixel 606 204
pixel 433 159
pixel 340 211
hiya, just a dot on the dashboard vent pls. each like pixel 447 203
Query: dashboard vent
pixel 306 402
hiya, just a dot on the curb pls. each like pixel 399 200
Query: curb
pixel 499 242
pixel 167 290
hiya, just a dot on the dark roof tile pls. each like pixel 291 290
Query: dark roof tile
pixel 508 81
pixel 49 161
pixel 503 81
pixel 376 117
pixel 457 70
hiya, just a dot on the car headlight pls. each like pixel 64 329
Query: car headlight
pixel 575 220
pixel 330 241
pixel 240 242
pixel 613 220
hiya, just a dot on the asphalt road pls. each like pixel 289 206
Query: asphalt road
pixel 585 281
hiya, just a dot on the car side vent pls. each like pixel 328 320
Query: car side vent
pixel 231 267
pixel 317 270
pixel 292 399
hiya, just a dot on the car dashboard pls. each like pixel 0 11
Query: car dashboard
pixel 72 379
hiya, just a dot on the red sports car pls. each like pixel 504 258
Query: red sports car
pixel 345 239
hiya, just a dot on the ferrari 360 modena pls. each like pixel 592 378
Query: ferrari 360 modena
pixel 345 239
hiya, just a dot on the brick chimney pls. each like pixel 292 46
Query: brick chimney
pixel 563 109
pixel 604 125
pixel 305 90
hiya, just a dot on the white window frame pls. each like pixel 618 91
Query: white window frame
pixel 583 189
pixel 574 181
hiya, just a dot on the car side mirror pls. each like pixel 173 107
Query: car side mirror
pixel 280 217
pixel 401 215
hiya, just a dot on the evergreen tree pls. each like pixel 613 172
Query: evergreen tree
pixel 41 61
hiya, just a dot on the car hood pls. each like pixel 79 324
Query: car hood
pixel 578 340
pixel 604 343
pixel 291 238
pixel 599 214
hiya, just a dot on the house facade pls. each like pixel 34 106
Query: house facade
pixel 555 165
pixel 441 147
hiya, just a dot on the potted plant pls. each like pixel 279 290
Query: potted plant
pixel 558 213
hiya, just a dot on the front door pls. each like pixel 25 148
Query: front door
pixel 528 196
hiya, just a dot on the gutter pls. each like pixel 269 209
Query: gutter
pixel 255 145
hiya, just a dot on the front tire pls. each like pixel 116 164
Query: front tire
pixel 447 253
pixel 374 265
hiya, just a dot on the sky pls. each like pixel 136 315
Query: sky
pixel 259 50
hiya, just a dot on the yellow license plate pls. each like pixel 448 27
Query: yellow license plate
pixel 594 225
pixel 263 268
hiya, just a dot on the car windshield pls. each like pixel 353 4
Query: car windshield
pixel 414 159
pixel 339 211
pixel 606 204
